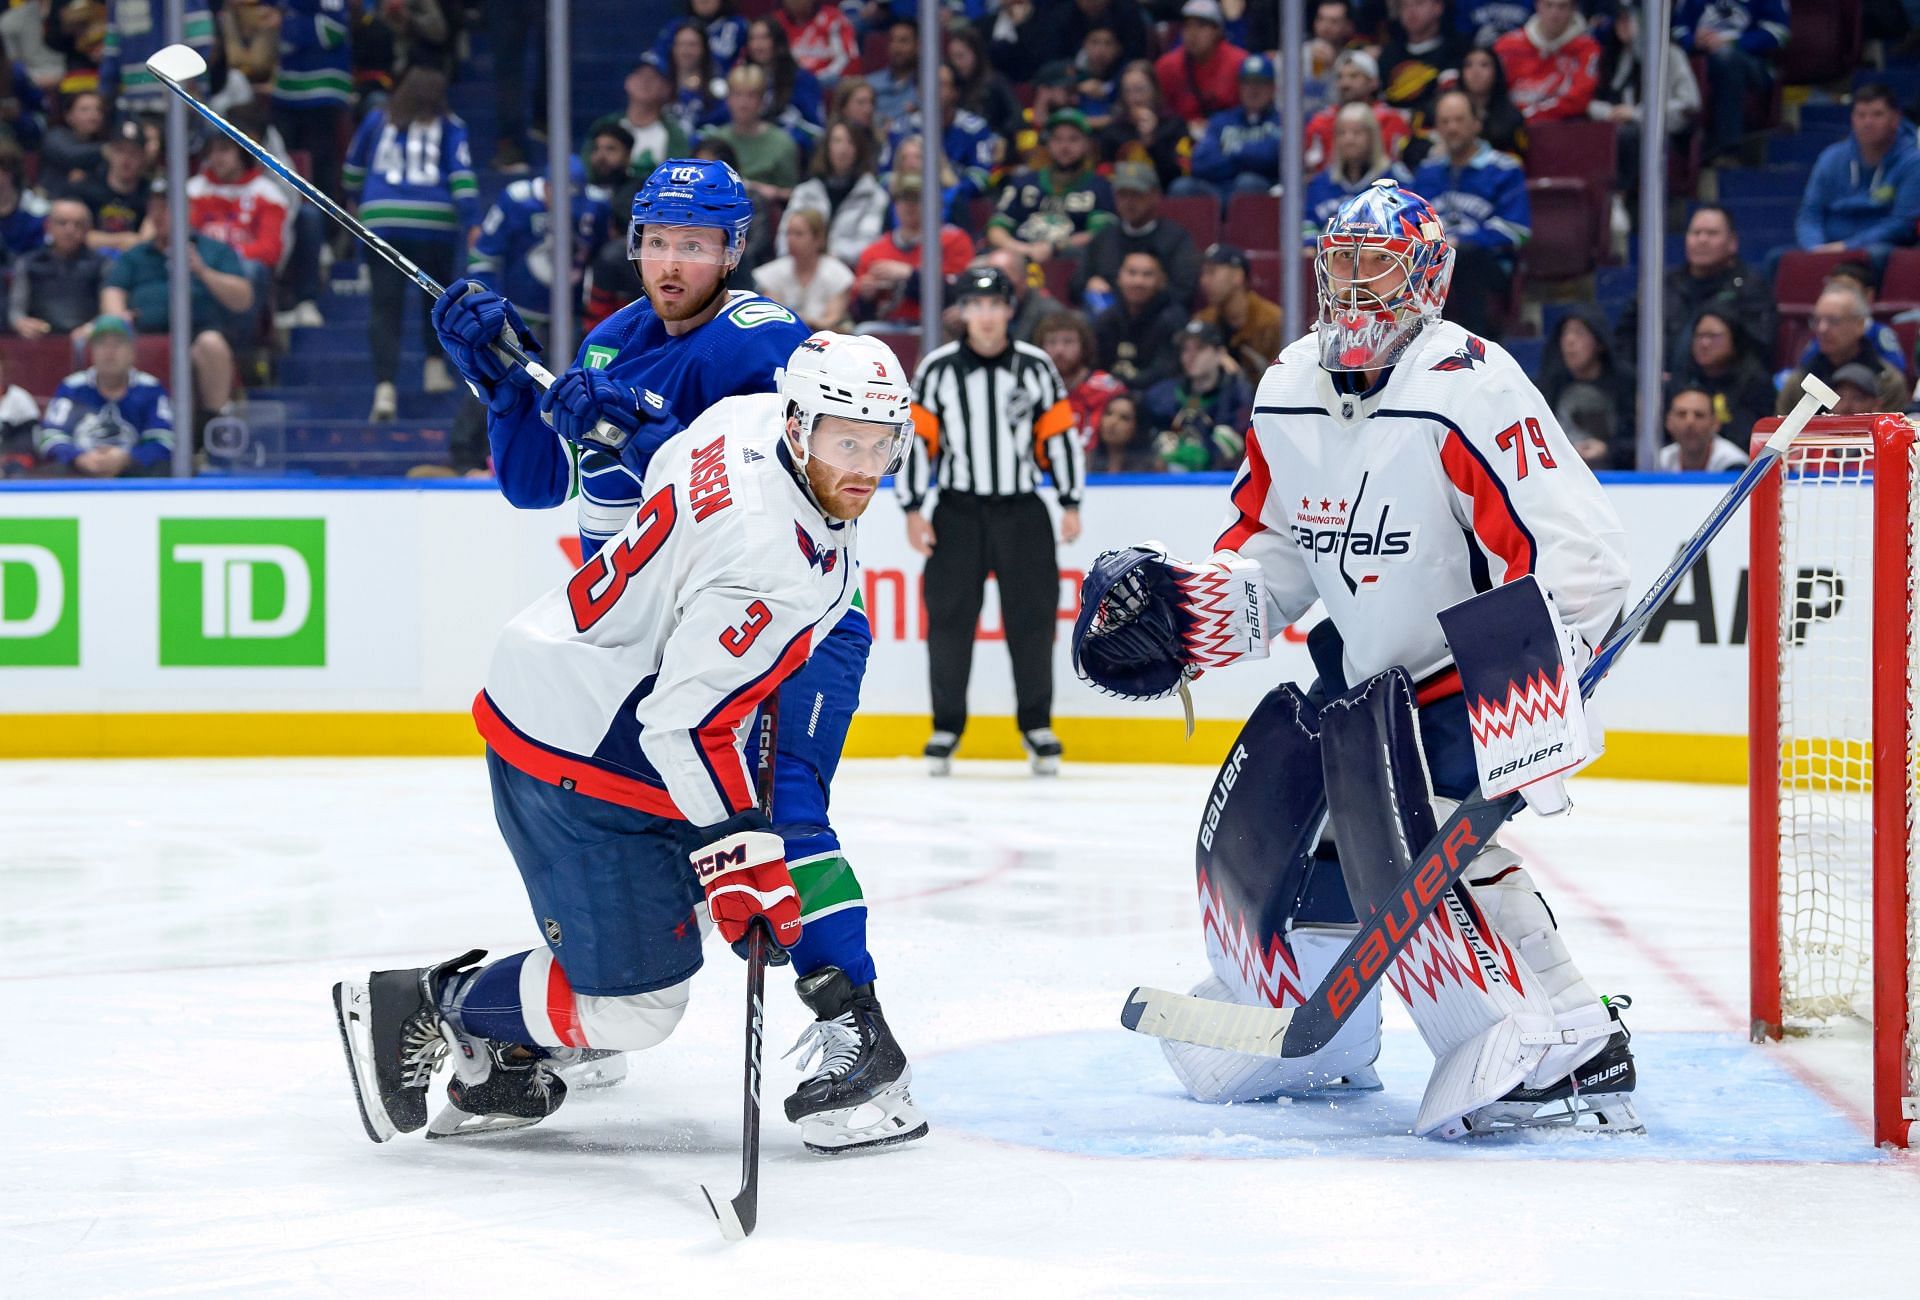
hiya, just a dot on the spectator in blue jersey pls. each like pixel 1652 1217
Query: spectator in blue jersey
pixel 968 142
pixel 220 297
pixel 1198 417
pixel 896 87
pixel 512 254
pixel 724 31
pixel 1481 196
pixel 656 136
pixel 697 88
pixel 1739 39
pixel 1483 22
pixel 136 31
pixel 1864 193
pixel 1359 159
pixel 794 100
pixel 1239 153
pixel 23 213
pixel 109 419
pixel 410 170
pixel 314 86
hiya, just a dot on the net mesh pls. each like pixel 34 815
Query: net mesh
pixel 1825 732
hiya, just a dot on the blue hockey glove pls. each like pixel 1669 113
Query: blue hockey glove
pixel 470 318
pixel 595 410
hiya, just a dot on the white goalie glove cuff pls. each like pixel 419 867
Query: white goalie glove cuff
pixel 1223 601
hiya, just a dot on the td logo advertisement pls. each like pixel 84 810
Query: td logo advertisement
pixel 243 593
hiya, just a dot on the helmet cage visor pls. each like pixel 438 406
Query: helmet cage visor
pixel 874 448
pixel 700 245
pixel 1371 306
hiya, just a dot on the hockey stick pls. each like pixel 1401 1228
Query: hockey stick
pixel 738 1215
pixel 1416 896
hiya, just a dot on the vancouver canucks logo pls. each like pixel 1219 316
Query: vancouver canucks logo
pixel 1466 358
pixel 820 557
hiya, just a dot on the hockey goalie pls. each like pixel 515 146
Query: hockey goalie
pixel 1406 475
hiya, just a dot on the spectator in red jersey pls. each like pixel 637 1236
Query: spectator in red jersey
pixel 1068 339
pixel 822 39
pixel 233 201
pixel 886 280
pixel 1202 77
pixel 1356 80
pixel 1552 62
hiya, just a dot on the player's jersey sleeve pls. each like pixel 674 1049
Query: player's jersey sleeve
pixel 1257 531
pixel 154 445
pixel 487 259
pixel 1530 502
pixel 741 632
pixel 54 439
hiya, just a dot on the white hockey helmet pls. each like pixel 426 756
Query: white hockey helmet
pixel 857 378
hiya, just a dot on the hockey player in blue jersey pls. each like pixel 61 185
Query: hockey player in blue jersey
pixel 638 378
pixel 512 255
pixel 110 418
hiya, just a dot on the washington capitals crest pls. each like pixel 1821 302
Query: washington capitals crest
pixel 1466 358
pixel 820 557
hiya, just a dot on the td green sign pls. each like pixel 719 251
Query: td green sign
pixel 39 593
pixel 243 593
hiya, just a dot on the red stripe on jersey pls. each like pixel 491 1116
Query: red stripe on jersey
pixel 1437 687
pixel 561 1012
pixel 1494 521
pixel 1250 498
pixel 718 737
pixel 568 771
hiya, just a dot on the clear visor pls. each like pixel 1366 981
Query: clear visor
pixel 858 446
pixel 703 245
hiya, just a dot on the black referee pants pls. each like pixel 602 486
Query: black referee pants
pixel 1011 538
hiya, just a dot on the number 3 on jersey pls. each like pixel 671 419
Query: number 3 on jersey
pixel 736 640
pixel 1510 439
pixel 614 566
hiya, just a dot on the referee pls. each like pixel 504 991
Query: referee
pixel 992 416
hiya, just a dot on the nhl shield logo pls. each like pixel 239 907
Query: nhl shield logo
pixel 1346 408
pixel 552 928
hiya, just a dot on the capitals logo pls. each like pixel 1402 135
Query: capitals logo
pixel 1360 533
pixel 820 557
pixel 1466 358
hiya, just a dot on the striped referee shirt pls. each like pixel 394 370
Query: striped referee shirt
pixel 991 427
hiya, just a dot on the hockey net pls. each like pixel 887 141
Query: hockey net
pixel 1835 927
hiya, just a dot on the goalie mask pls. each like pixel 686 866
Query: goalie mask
pixel 1383 267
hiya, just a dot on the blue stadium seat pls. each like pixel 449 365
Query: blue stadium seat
pixel 1738 185
pixel 1528 352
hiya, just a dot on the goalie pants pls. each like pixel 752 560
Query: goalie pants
pixel 1012 539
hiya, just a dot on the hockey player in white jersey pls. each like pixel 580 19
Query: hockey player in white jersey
pixel 1396 467
pixel 615 714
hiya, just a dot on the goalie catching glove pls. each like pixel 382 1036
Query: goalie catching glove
pixel 1149 623
pixel 745 875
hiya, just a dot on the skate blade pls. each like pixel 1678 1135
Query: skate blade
pixel 606 1073
pixel 888 1119
pixel 1589 1112
pixel 350 1003
pixel 452 1122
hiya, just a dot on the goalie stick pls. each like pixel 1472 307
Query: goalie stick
pixel 738 1215
pixel 1443 860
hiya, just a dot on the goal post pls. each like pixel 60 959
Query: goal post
pixel 1832 653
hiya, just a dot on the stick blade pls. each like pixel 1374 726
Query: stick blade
pixel 1255 1031
pixel 177 63
pixel 734 1225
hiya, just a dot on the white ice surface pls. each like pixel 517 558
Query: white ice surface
pixel 176 1117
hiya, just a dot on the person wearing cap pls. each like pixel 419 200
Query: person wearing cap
pixel 1421 58
pixel 1055 209
pixel 1201 77
pixel 56 287
pixel 220 295
pixel 992 417
pixel 109 419
pixel 118 198
pixel 1140 228
pixel 1031 301
pixel 1198 418
pixel 886 279
pixel 1481 196
pixel 1695 432
pixel 1054 87
pixel 1552 62
pixel 1841 315
pixel 1858 388
pixel 1135 335
pixel 1239 153
pixel 656 137
pixel 1251 324
pixel 967 141
pixel 1356 80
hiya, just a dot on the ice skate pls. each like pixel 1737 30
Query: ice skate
pixel 1597 1096
pixel 858 1097
pixel 495 1086
pixel 588 1067
pixel 939 752
pixel 1043 751
pixel 390 1027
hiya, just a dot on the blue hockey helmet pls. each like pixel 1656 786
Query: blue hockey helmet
pixel 692 192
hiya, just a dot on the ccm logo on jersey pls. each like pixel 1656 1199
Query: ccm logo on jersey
pixel 1217 804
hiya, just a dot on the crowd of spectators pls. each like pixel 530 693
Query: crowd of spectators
pixel 1067 132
